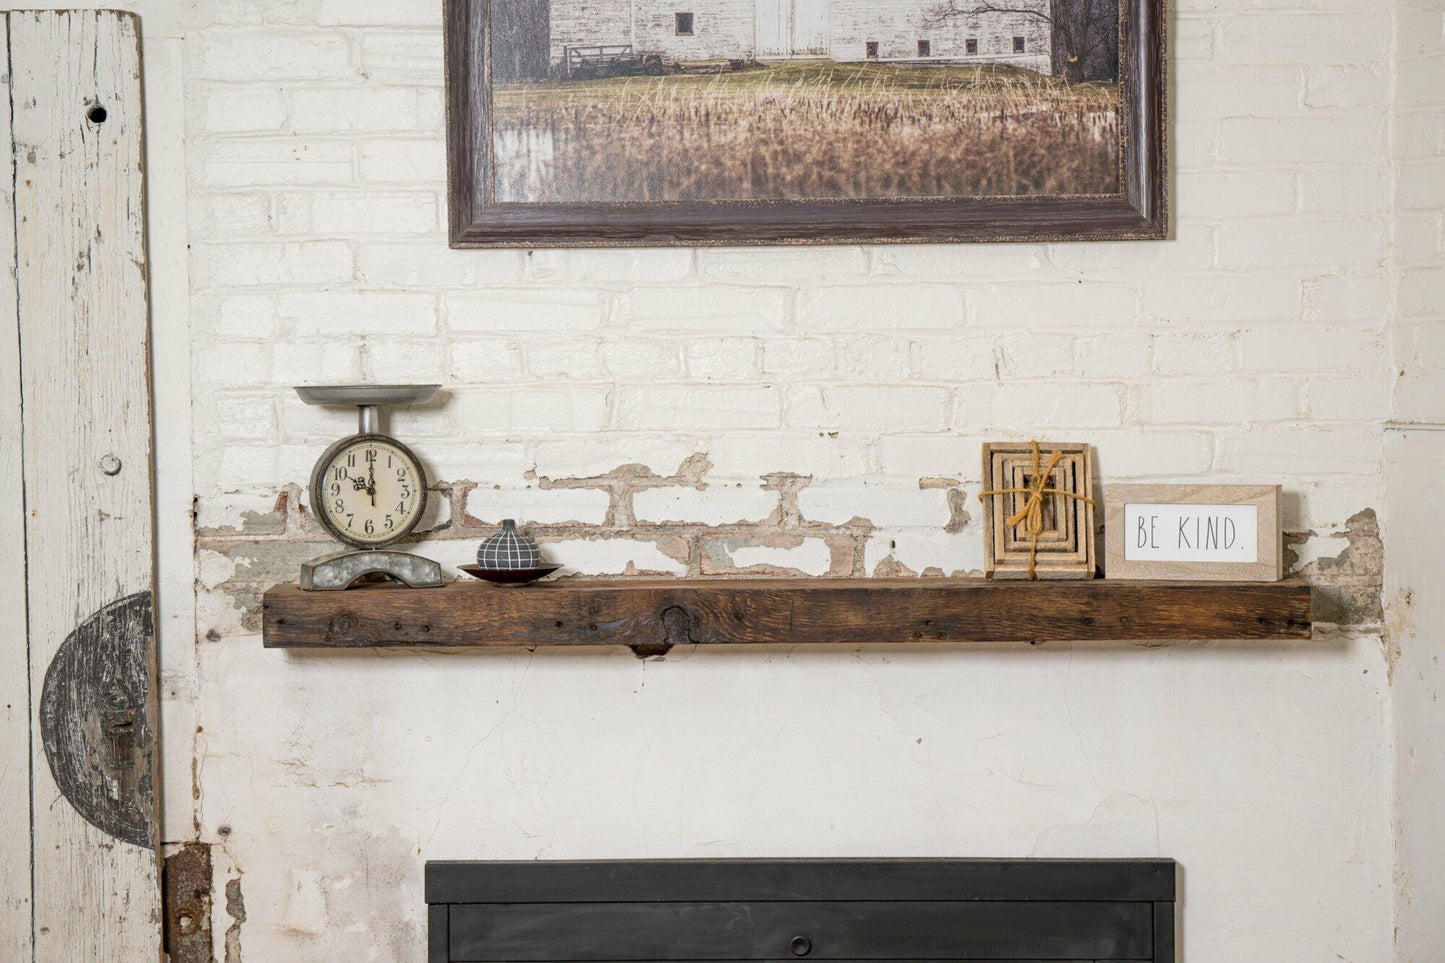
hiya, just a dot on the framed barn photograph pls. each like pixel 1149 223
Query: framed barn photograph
pixel 658 122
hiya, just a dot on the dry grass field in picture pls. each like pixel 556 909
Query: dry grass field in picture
pixel 799 130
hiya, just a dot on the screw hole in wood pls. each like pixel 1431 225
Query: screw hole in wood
pixel 96 114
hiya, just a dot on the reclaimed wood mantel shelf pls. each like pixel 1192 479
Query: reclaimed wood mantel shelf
pixel 652 615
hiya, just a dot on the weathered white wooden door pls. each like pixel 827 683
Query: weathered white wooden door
pixel 79 873
pixel 791 28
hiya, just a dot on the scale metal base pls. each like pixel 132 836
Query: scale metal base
pixel 342 570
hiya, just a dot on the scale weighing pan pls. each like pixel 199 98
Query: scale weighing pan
pixel 367 394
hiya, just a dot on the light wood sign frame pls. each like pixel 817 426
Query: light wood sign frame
pixel 1268 562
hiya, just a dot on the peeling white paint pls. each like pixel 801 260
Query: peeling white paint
pixel 611 556
pixel 1317 547
pixel 922 549
pixel 810 556
pixel 232 510
pixel 717 504
pixel 552 505
pixel 213 568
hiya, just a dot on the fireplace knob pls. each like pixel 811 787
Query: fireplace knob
pixel 801 946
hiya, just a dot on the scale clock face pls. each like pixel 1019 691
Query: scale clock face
pixel 368 490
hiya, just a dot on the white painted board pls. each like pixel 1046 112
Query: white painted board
pixel 14 675
pixel 80 260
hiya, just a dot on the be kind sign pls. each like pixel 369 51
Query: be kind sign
pixel 1206 532
pixel 1191 533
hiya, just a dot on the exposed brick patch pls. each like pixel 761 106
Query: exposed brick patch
pixel 236 909
pixel 251 522
pixel 958 515
pixel 787 485
pixel 1348 585
pixel 247 560
pixel 624 481
pixel 269 548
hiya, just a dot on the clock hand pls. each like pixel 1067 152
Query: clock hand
pixel 371 484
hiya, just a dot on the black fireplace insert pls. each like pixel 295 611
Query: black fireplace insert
pixel 902 910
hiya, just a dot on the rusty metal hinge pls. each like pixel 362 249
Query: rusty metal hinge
pixel 186 904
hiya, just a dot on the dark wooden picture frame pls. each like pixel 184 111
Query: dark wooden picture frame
pixel 477 220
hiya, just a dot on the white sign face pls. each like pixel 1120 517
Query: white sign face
pixel 1191 533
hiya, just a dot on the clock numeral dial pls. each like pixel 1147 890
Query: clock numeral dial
pixel 371 490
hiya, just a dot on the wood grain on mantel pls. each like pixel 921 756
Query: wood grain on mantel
pixel 652 615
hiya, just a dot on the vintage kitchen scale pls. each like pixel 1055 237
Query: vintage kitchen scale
pixel 369 491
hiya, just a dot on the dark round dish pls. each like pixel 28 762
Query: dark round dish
pixel 509 576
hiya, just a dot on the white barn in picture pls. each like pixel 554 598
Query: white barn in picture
pixel 844 30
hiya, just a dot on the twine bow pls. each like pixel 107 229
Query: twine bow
pixel 1032 514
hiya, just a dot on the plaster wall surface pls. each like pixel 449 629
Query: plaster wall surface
pixel 1415 455
pixel 767 411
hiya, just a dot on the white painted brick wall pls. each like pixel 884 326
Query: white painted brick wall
pixel 724 504
pixel 520 310
pixel 872 307
pixel 823 454
pixel 533 408
pixel 540 505
pixel 317 180
pixel 346 312
pixel 696 308
pixel 682 407
pixel 614 556
pixel 897 507
pixel 1251 346
pixel 810 556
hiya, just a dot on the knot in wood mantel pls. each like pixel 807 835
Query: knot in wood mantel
pixel 676 630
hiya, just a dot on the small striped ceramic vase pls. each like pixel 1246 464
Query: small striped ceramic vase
pixel 510 549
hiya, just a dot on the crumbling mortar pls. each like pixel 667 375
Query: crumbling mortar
pixel 1348 586
pixel 625 481
pixel 236 909
pixel 458 492
pixel 263 559
pixel 1399 614
pixel 787 485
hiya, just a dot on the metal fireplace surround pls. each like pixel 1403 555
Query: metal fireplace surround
pixel 903 910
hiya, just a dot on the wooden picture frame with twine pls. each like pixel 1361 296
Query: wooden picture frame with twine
pixel 1038 510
